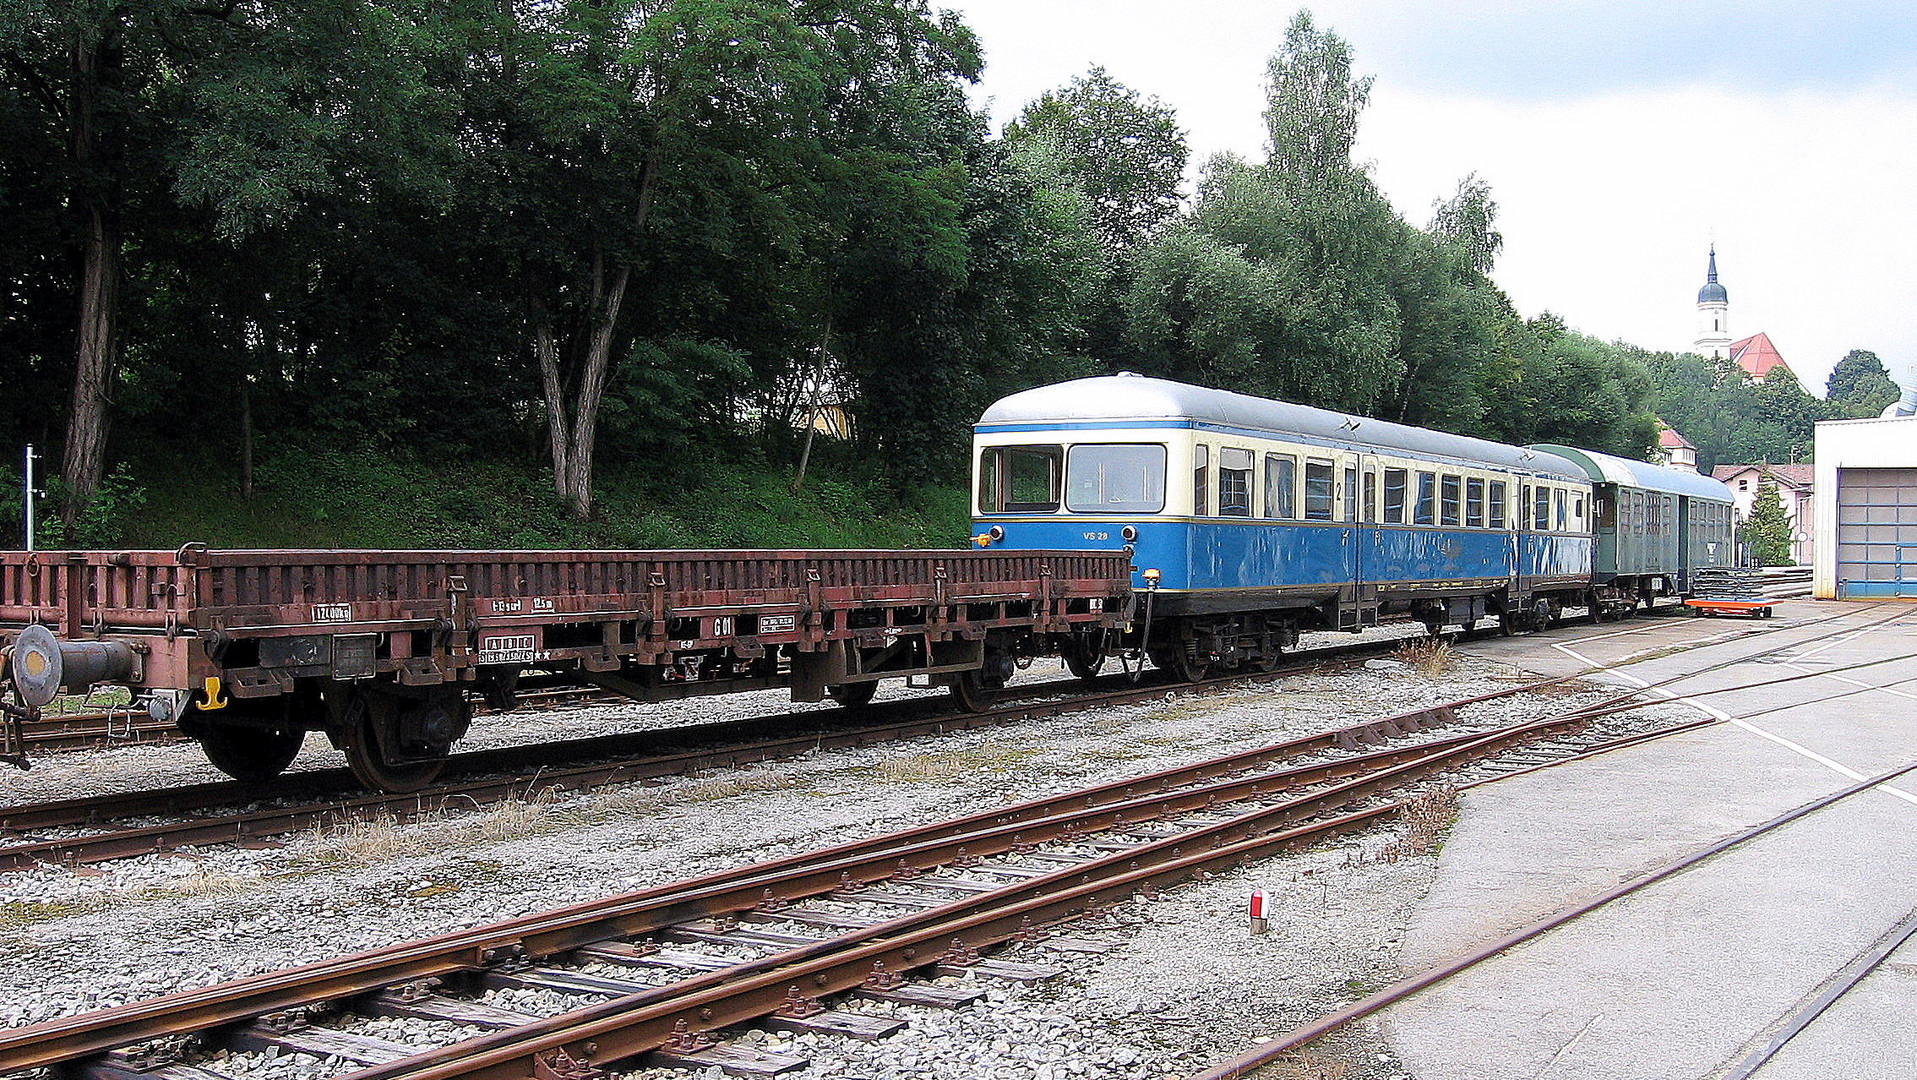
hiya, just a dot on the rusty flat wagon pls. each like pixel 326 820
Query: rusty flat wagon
pixel 383 650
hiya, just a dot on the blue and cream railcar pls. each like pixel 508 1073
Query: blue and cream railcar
pixel 1252 519
pixel 1654 525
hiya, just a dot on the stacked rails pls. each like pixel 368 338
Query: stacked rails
pixel 1726 583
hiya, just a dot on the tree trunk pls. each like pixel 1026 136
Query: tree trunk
pixel 246 438
pixel 573 431
pixel 95 149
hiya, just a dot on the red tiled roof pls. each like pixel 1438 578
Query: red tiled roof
pixel 1669 439
pixel 1756 355
pixel 1793 476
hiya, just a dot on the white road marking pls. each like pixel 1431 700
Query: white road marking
pixel 1836 767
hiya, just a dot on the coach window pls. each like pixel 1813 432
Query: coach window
pixel 1018 479
pixel 1449 488
pixel 1371 496
pixel 1496 505
pixel 1281 486
pixel 1351 493
pixel 1115 478
pixel 1426 512
pixel 1557 499
pixel 1234 482
pixel 1474 503
pixel 1394 496
pixel 1318 480
pixel 1200 479
pixel 1541 509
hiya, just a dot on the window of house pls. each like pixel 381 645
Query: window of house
pixel 1426 512
pixel 1200 480
pixel 1281 486
pixel 1234 482
pixel 1115 478
pixel 1019 479
pixel 1318 482
pixel 1449 495
pixel 1394 485
pixel 1496 505
pixel 1474 503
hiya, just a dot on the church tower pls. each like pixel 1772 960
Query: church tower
pixel 1713 315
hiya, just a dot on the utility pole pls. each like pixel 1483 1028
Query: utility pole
pixel 28 496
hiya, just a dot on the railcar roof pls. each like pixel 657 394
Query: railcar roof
pixel 1641 474
pixel 1124 398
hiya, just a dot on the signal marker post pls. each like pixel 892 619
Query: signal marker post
pixel 1258 923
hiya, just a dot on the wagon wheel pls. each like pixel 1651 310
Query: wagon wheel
pixel 853 695
pixel 251 755
pixel 974 690
pixel 1178 661
pixel 371 726
pixel 1085 654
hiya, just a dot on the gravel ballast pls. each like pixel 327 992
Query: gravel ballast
pixel 1182 983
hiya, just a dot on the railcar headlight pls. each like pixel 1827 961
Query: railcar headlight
pixel 996 532
pixel 1129 532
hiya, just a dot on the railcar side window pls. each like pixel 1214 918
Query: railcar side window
pixel 1448 498
pixel 1474 503
pixel 1541 510
pixel 1234 482
pixel 1317 490
pixel 1557 502
pixel 1497 504
pixel 1200 478
pixel 1019 479
pixel 1115 478
pixel 1351 493
pixel 1427 509
pixel 1371 496
pixel 1281 486
pixel 1394 496
pixel 1577 512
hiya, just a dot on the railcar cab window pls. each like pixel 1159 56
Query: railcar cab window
pixel 1371 496
pixel 1394 484
pixel 1281 486
pixel 1318 481
pixel 1115 478
pixel 1448 502
pixel 1557 499
pixel 1496 505
pixel 1427 509
pixel 1351 493
pixel 1019 479
pixel 1541 510
pixel 1474 503
pixel 1234 482
pixel 1200 480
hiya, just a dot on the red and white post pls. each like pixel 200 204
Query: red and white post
pixel 1258 923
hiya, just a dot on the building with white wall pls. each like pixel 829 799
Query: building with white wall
pixel 1865 508
pixel 1795 484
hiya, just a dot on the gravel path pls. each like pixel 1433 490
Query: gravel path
pixel 1183 982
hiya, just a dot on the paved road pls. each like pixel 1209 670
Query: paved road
pixel 1685 977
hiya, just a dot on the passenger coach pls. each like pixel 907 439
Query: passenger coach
pixel 1654 526
pixel 1250 520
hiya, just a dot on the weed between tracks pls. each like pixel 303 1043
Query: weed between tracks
pixel 1424 821
pixel 1426 656
pixel 1304 1067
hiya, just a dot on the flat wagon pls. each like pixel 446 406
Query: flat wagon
pixel 247 651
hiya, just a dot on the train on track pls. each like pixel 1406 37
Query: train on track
pixel 1116 516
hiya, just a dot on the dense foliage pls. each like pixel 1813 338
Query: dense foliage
pixel 616 250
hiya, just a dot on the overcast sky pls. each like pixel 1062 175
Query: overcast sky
pixel 1619 139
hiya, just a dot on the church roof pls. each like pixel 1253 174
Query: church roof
pixel 1757 356
pixel 1712 292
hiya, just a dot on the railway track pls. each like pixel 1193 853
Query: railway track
pixel 324 797
pixel 667 966
pixel 662 971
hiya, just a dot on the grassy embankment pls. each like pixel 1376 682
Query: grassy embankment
pixel 365 499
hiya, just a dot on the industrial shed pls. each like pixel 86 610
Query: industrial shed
pixel 1866 509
